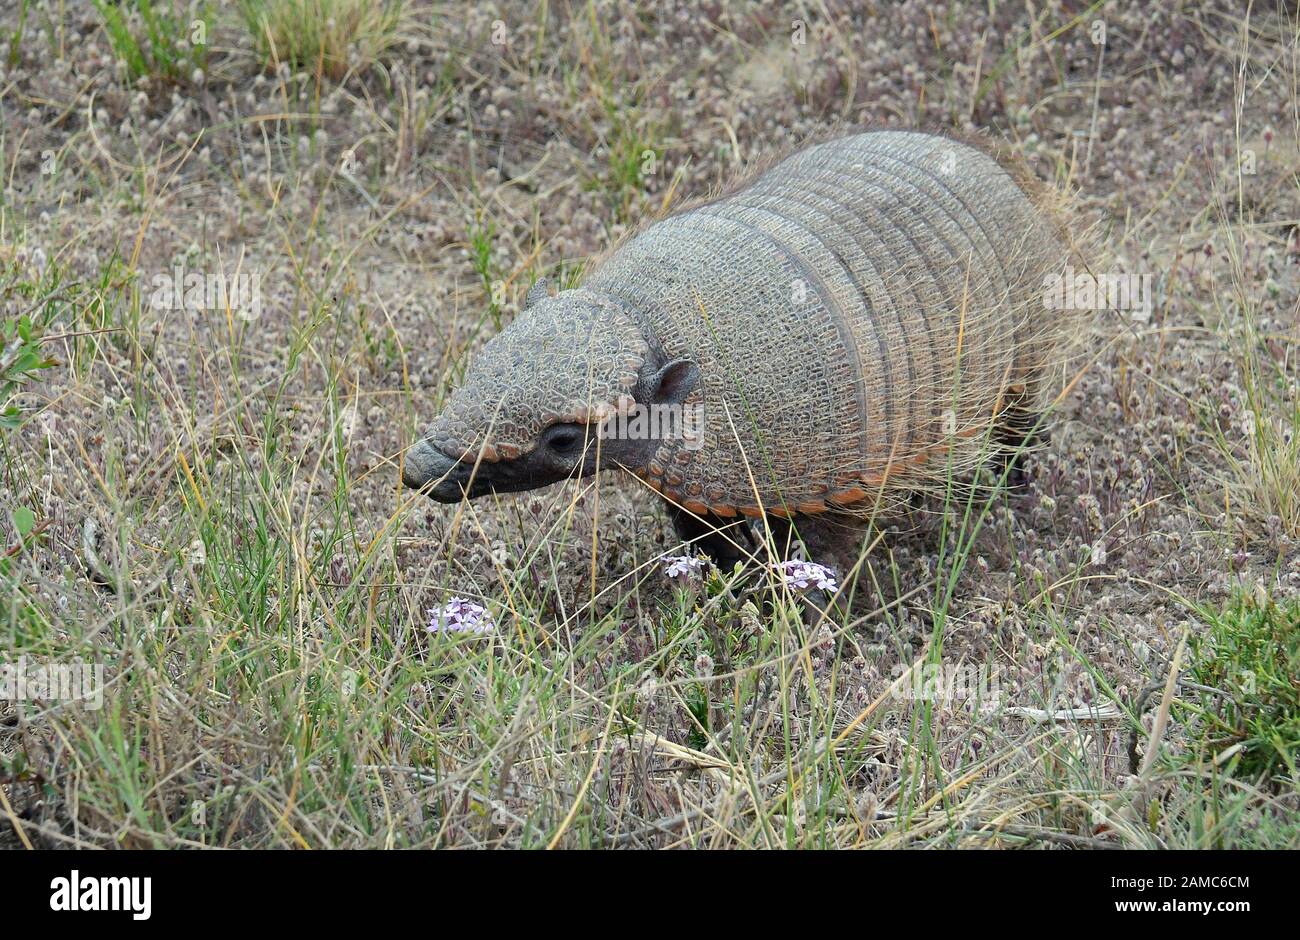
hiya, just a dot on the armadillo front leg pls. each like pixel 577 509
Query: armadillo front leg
pixel 1020 430
pixel 725 541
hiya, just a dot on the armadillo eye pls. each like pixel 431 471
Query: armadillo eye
pixel 563 438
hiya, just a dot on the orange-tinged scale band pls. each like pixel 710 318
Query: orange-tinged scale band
pixel 839 498
pixel 851 495
pixel 691 505
pixel 900 466
pixel 728 511
pixel 879 479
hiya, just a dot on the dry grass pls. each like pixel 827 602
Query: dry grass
pixel 212 506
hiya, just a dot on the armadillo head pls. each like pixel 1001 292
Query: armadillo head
pixel 536 396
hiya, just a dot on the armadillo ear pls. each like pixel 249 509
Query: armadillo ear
pixel 674 382
pixel 539 291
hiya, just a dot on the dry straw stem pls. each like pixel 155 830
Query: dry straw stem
pixel 1162 714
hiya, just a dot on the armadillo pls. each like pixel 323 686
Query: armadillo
pixel 854 322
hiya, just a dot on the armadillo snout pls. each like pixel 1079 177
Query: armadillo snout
pixel 426 467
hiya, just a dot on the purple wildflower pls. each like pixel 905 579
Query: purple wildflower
pixel 460 616
pixel 683 566
pixel 801 575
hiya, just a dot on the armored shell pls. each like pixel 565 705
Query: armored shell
pixel 861 307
